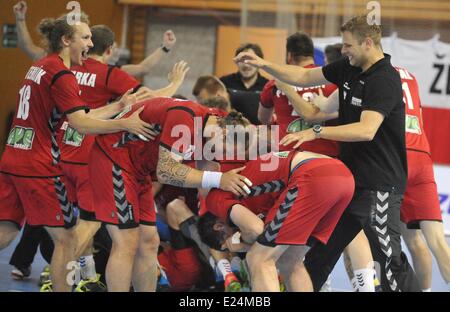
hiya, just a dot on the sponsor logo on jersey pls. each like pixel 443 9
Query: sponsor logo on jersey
pixel 298 125
pixel 21 138
pixel 412 124
pixel 356 102
pixel 72 137
pixel 283 154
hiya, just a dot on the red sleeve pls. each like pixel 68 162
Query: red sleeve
pixel 178 131
pixel 266 97
pixel 120 82
pixel 219 203
pixel 329 89
pixel 66 93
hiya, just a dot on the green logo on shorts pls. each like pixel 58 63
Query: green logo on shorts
pixel 72 137
pixel 412 124
pixel 298 125
pixel 20 137
pixel 281 154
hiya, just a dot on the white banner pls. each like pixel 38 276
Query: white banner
pixel 428 60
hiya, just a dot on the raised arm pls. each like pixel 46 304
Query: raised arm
pixel 24 40
pixel 137 70
pixel 176 78
pixel 307 110
pixel 294 75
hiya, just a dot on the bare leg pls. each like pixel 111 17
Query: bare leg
pixel 64 252
pixel 85 231
pixel 120 263
pixel 145 261
pixel 292 269
pixel 8 231
pixel 433 232
pixel 420 255
pixel 261 262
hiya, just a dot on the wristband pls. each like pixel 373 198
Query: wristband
pixel 211 179
pixel 165 49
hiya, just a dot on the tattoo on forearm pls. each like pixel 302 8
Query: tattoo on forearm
pixel 170 171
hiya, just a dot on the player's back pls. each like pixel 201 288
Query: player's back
pixel 48 91
pixel 415 135
pixel 166 114
pixel 290 121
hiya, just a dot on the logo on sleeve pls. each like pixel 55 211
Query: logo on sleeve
pixel 21 138
pixel 356 102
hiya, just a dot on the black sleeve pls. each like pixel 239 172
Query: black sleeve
pixel 381 95
pixel 334 72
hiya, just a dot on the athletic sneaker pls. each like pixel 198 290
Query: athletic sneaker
pixel 21 273
pixel 91 285
pixel 232 283
pixel 45 276
pixel 47 287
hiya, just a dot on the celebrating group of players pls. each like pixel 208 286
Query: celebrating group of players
pixel 90 149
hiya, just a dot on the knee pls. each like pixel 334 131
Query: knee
pixel 416 245
pixel 126 243
pixel 8 232
pixel 149 243
pixel 255 260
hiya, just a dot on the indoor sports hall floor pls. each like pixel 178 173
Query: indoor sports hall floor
pixel 339 280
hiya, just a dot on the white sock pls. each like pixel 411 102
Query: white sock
pixel 224 267
pixel 236 264
pixel 426 290
pixel 87 265
pixel 364 280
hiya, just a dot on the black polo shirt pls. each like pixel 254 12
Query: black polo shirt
pixel 379 164
pixel 242 99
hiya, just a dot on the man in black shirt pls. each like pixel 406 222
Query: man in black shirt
pixel 372 136
pixel 246 85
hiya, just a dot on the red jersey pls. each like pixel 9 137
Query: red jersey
pixel 288 119
pixel 48 91
pixel 181 124
pixel 99 84
pixel 269 175
pixel 415 135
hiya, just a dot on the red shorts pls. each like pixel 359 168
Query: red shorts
pixel 182 267
pixel 421 200
pixel 318 192
pixel 120 198
pixel 79 189
pixel 41 201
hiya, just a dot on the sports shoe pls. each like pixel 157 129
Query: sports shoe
pixel 20 274
pixel 45 276
pixel 232 283
pixel 47 287
pixel 91 285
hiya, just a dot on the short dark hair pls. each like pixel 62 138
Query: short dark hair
pixel 102 38
pixel 212 84
pixel 333 52
pixel 247 46
pixel 300 45
pixel 179 96
pixel 217 102
pixel 212 238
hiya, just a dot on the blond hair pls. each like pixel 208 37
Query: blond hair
pixel 359 28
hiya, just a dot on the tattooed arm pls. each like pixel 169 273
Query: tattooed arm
pixel 171 171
